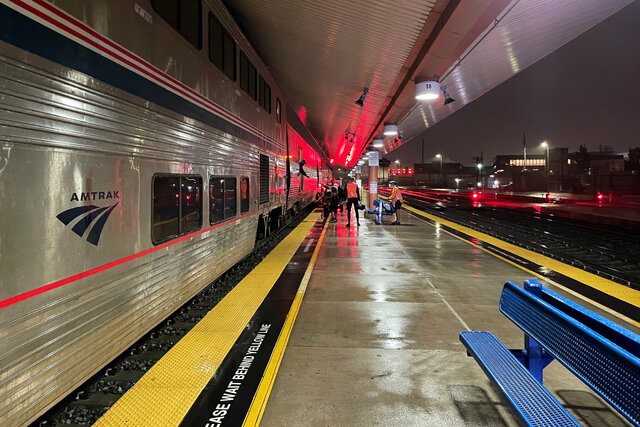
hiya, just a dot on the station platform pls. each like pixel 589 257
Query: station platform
pixel 376 340
pixel 367 334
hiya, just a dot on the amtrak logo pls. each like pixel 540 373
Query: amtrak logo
pixel 92 216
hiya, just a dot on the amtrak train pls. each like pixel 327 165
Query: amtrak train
pixel 144 147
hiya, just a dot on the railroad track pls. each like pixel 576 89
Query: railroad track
pixel 610 253
pixel 91 400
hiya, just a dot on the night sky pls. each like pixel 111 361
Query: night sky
pixel 587 92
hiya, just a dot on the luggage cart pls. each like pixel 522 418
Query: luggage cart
pixel 381 208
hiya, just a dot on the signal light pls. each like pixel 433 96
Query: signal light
pixel 548 197
pixel 600 196
pixel 474 195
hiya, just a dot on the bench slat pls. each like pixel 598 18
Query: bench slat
pixel 533 403
pixel 610 370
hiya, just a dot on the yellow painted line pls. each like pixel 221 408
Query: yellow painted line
pixel 167 391
pixel 261 397
pixel 614 289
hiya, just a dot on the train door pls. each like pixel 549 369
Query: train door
pixel 264 179
pixel 300 172
pixel 288 172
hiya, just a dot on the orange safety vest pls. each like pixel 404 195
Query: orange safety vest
pixel 396 195
pixel 352 190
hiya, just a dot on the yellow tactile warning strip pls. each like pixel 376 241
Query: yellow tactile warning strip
pixel 616 290
pixel 163 395
pixel 264 390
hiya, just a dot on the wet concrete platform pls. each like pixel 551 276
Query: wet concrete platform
pixel 376 339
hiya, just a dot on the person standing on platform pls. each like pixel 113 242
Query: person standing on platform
pixel 353 199
pixel 334 203
pixel 326 201
pixel 342 196
pixel 396 199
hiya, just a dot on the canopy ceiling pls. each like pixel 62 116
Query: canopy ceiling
pixel 322 54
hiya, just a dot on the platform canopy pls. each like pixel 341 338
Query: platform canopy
pixel 323 53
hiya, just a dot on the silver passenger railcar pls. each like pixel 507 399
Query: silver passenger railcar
pixel 143 147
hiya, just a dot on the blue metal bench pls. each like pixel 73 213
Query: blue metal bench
pixel 603 354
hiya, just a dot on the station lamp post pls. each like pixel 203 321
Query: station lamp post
pixel 439 156
pixel 545 144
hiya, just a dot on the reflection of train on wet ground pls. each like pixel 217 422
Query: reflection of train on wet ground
pixel 142 156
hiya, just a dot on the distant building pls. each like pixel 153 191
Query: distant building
pixel 602 162
pixel 516 162
pixel 634 159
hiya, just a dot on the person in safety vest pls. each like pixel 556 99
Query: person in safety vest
pixel 396 199
pixel 353 199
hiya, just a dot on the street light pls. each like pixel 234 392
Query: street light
pixel 439 156
pixel 545 144
pixel 479 172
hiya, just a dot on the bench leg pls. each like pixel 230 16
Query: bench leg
pixel 535 357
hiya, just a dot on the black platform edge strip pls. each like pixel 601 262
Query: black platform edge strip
pixel 226 399
pixel 616 304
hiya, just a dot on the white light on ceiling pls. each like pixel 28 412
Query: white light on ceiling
pixel 390 130
pixel 427 90
pixel 378 143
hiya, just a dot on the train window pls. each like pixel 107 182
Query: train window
pixel 264 178
pixel 264 94
pixel 184 16
pixel 166 209
pixel 244 194
pixel 168 10
pixel 248 76
pixel 278 110
pixel 229 49
pixel 222 48
pixel 216 199
pixel 191 207
pixel 222 198
pixel 244 72
pixel 229 198
pixel 177 206
pixel 267 98
pixel 253 75
pixel 261 84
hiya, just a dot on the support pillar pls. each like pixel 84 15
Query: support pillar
pixel 374 160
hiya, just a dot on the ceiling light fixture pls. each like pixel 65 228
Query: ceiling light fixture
pixel 360 101
pixel 378 143
pixel 427 90
pixel 390 130
pixel 447 98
